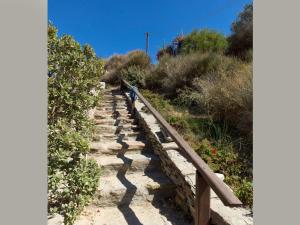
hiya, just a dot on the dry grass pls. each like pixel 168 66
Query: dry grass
pixel 229 98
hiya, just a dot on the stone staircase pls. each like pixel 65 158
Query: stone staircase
pixel 133 189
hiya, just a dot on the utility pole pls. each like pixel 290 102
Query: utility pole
pixel 147 42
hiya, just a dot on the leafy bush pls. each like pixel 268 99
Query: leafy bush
pixel 204 41
pixel 112 67
pixel 135 75
pixel 73 74
pixel 118 63
pixel 245 192
pixel 166 51
pixel 241 39
pixel 137 58
pixel 209 83
pixel 172 49
pixel 159 103
pixel 174 74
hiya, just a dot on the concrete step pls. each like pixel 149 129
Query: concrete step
pixel 133 189
pixel 146 214
pixel 113 148
pixel 111 164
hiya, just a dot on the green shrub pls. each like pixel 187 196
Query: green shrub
pixel 204 41
pixel 159 103
pixel 245 192
pixel 112 67
pixel 73 73
pixel 175 74
pixel 135 75
pixel 118 63
pixel 166 51
pixel 137 58
pixel 211 84
pixel 71 189
pixel 241 39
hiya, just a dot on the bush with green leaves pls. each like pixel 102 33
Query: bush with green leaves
pixel 118 63
pixel 204 41
pixel 165 51
pixel 245 192
pixel 135 75
pixel 73 75
pixel 174 74
pixel 241 39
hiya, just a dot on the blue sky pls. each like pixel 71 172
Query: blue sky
pixel 119 26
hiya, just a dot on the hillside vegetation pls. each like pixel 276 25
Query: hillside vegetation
pixel 202 85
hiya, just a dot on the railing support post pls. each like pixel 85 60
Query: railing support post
pixel 202 202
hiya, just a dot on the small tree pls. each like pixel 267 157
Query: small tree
pixel 165 51
pixel 204 41
pixel 241 39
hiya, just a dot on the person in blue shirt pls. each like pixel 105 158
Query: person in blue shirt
pixel 133 96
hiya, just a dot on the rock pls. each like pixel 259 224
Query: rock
pixel 56 219
pixel 102 85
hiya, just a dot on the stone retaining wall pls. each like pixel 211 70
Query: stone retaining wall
pixel 182 172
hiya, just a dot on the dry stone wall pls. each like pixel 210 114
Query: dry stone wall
pixel 182 172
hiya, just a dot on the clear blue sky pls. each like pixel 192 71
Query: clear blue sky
pixel 119 26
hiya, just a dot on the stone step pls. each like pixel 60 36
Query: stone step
pixel 132 189
pixel 110 109
pixel 111 121
pixel 111 165
pixel 146 214
pixel 112 148
pixel 113 97
pixel 105 137
pixel 127 128
pixel 110 129
pixel 105 129
pixel 110 137
pixel 112 103
pixel 103 115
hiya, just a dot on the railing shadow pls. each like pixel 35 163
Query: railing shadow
pixel 124 204
pixel 150 171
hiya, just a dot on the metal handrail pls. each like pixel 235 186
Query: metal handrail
pixel 220 188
